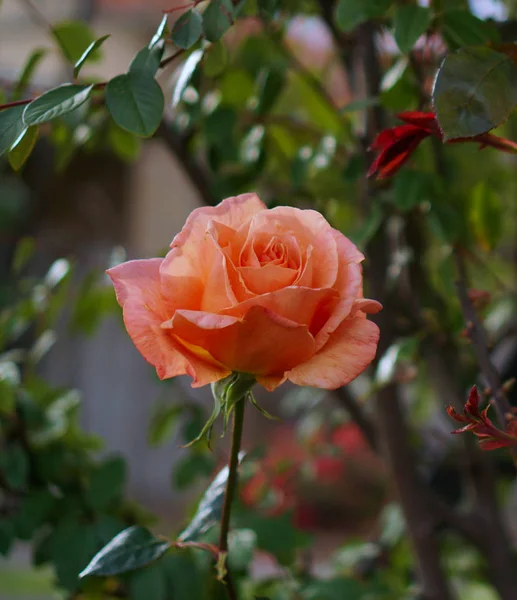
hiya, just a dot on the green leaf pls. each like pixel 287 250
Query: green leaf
pixel 57 418
pixel 475 90
pixel 268 7
pixel 217 19
pixel 94 301
pixel 393 525
pixel 210 507
pixel 183 575
pixel 42 345
pixel 387 366
pixel 136 103
pixel 33 512
pixel 275 535
pixel 410 22
pixel 28 71
pixel 475 590
pixel 187 29
pixel 394 75
pixel 462 28
pixel 486 216
pixel 149 583
pixel 123 143
pixel 190 467
pixel 131 549
pixel 106 484
pixel 357 105
pixel 219 126
pixel 73 37
pixel 158 34
pixel 336 589
pixel 7 397
pixel 7 536
pixel 241 547
pixel 163 420
pixel 24 251
pixel 56 102
pixel 186 73
pixel 446 222
pixel 14 466
pixel 147 61
pixel 270 83
pixel 411 189
pixel 215 59
pixel 58 270
pixel 20 152
pixel 88 53
pixel 351 13
pixel 11 126
pixel 71 546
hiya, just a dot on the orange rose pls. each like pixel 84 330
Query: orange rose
pixel 274 293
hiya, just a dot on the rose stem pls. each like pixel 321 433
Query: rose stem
pixel 231 486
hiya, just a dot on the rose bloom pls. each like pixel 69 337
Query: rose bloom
pixel 273 293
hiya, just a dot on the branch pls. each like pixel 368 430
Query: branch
pixel 413 493
pixel 170 58
pixel 491 536
pixel 178 145
pixel 358 415
pixel 37 16
pixel 414 497
pixel 477 335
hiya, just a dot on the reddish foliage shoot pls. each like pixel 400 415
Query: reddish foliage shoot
pixel 489 436
pixel 397 144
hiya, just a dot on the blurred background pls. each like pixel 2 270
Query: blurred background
pixel 127 198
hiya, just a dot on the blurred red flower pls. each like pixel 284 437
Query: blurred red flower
pixel 303 477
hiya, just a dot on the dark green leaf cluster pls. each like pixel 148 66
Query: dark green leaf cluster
pixel 56 492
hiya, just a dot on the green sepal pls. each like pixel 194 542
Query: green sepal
pixel 226 392
pixel 261 410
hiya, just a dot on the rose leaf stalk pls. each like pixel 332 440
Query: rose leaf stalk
pixel 231 486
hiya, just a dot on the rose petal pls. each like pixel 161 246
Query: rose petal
pixel 365 306
pixel 350 349
pixel 232 212
pixel 137 286
pixel 310 229
pixel 298 304
pixel 271 382
pixel 269 278
pixel 246 344
pixel 305 278
pixel 348 284
pixel 215 291
pixel 192 250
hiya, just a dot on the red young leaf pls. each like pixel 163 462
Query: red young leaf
pixel 489 436
pixel 395 145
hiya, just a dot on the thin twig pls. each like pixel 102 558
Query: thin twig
pixel 477 335
pixel 37 15
pixel 197 174
pixel 170 58
pixel 355 410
